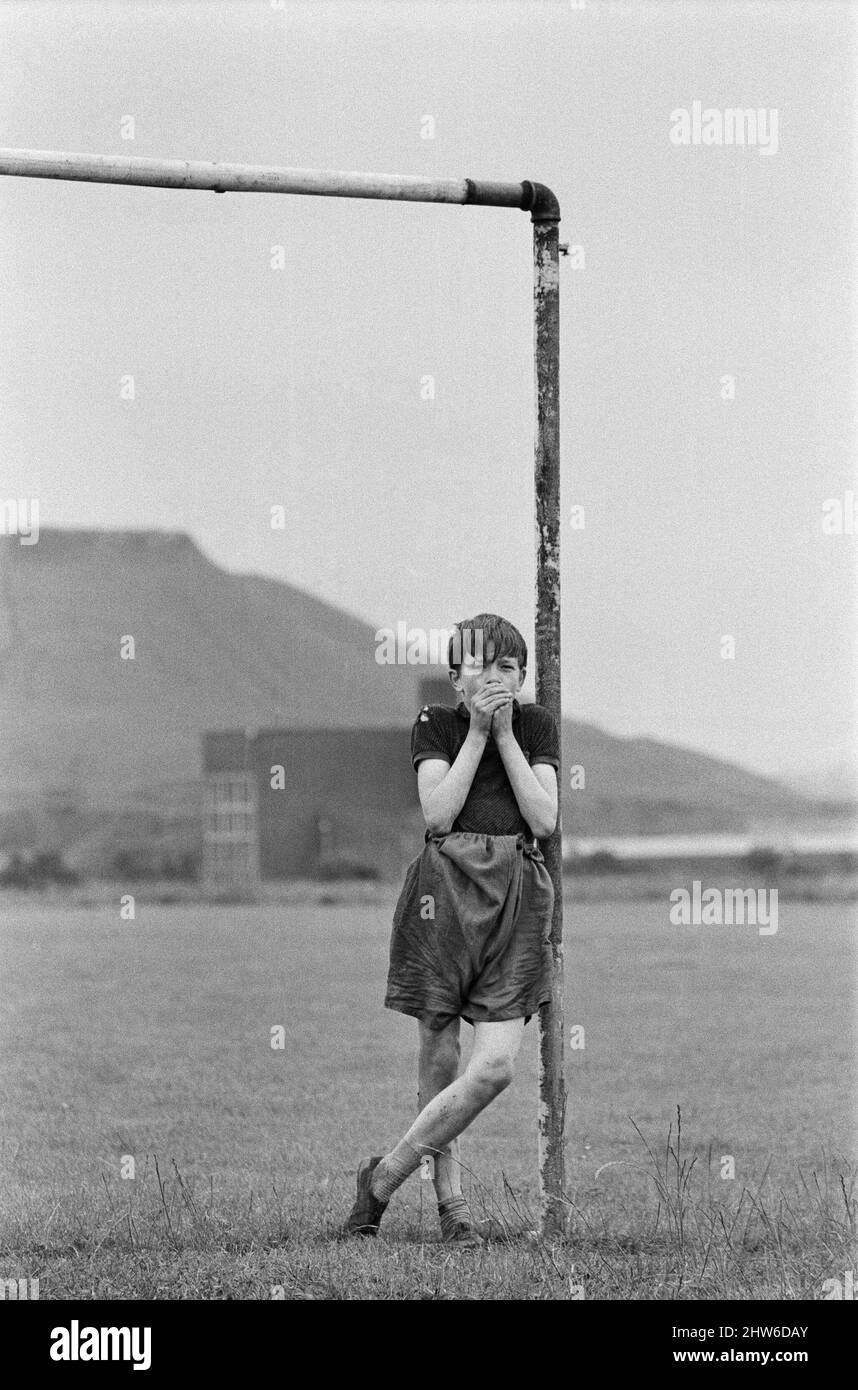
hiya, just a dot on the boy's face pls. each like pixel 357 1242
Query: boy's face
pixel 477 671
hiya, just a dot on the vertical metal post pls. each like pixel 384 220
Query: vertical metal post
pixel 545 215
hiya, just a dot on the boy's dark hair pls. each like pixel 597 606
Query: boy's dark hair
pixel 474 636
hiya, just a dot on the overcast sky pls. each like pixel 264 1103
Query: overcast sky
pixel 256 386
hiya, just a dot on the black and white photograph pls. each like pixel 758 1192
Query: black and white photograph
pixel 428 667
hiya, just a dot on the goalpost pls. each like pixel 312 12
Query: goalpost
pixel 544 210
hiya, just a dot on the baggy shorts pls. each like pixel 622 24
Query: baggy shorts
pixel 471 931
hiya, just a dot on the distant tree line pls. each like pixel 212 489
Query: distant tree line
pixel 44 867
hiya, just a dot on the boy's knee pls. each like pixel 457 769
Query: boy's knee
pixel 493 1072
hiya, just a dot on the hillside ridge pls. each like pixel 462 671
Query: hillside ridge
pixel 215 650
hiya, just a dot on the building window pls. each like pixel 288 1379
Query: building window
pixel 230 848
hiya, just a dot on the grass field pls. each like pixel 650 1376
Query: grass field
pixel 152 1039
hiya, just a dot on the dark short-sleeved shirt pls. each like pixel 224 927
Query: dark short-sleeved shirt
pixel 490 807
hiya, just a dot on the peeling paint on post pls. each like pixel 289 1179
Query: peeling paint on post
pixel 546 307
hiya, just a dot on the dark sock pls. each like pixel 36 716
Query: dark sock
pixel 393 1169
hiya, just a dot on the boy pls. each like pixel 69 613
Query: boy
pixel 471 926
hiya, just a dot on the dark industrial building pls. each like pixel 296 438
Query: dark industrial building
pixel 301 803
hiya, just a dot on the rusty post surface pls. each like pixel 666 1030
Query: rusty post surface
pixel 546 304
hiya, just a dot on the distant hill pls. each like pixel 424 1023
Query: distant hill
pixel 85 732
pixel 835 783
pixel 640 785
pixel 213 650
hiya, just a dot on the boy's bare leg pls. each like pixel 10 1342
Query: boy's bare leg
pixel 489 1071
pixel 437 1067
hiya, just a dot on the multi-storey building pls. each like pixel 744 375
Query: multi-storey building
pixel 287 803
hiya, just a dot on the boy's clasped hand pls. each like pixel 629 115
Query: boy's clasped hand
pixel 491 709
